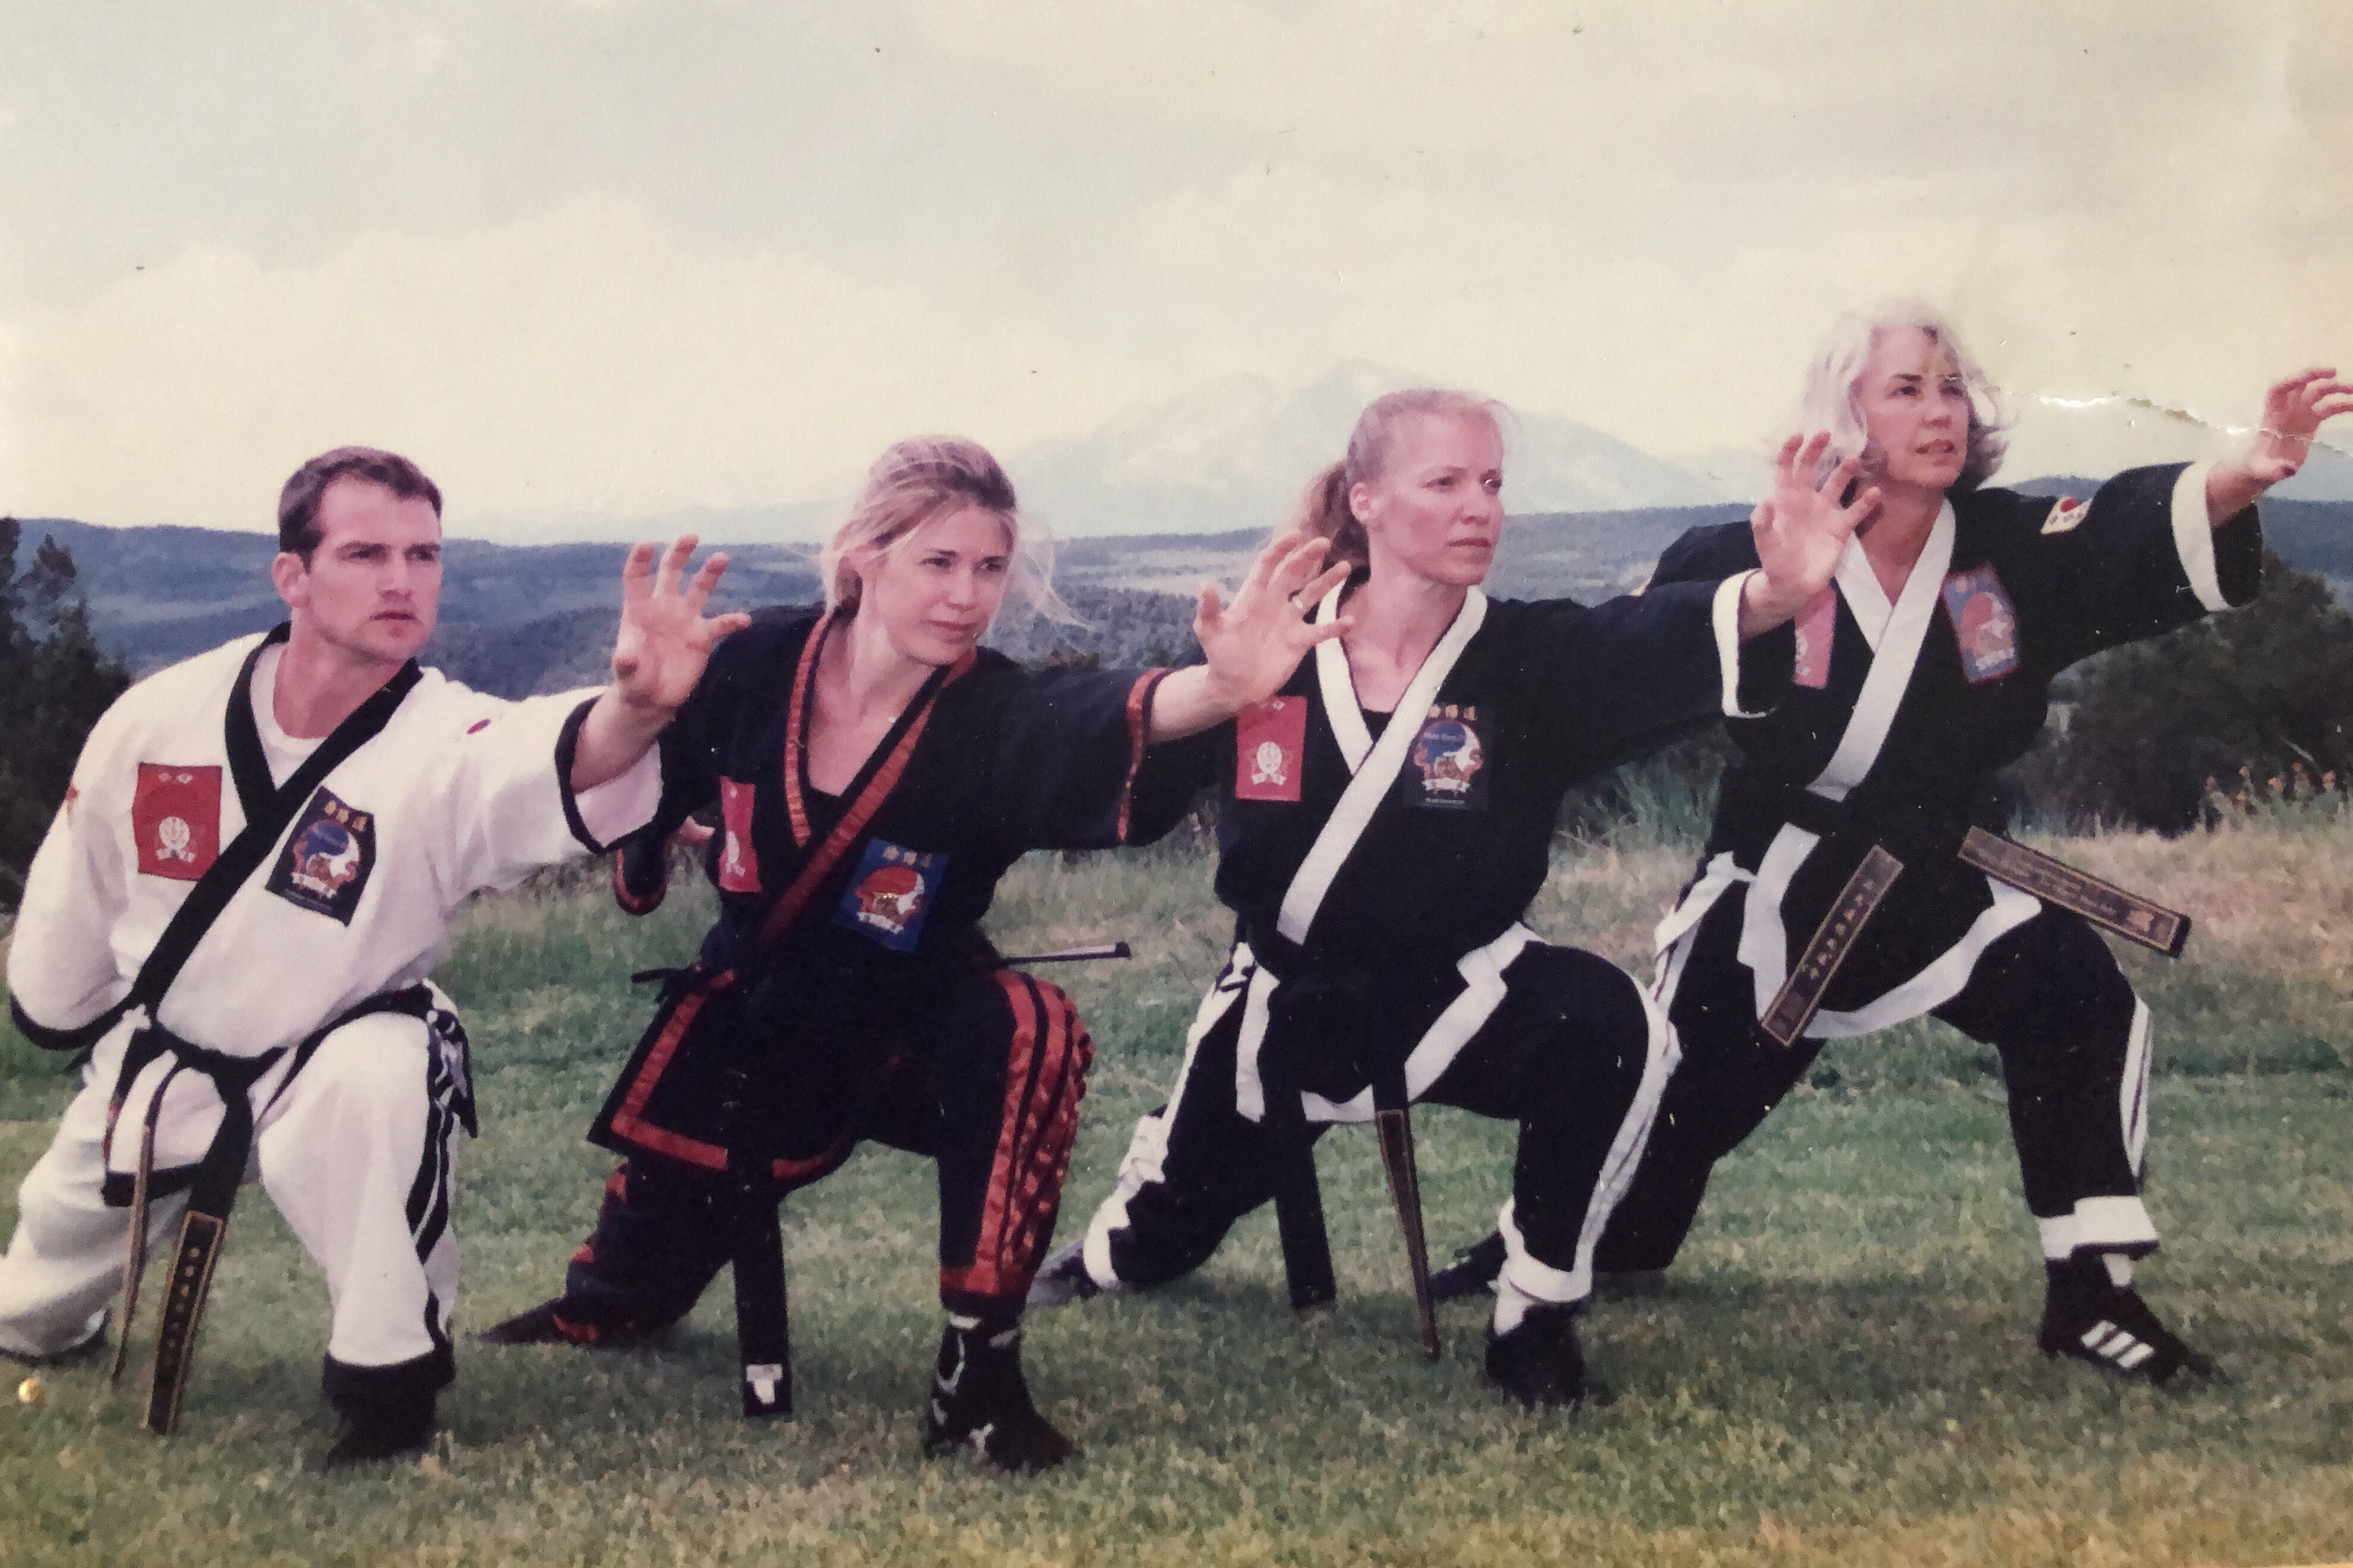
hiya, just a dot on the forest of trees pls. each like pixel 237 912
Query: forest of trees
pixel 54 683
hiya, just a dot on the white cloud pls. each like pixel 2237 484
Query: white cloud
pixel 581 361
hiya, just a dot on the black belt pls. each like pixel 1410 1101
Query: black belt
pixel 212 1184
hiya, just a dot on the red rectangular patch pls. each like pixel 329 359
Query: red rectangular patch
pixel 739 862
pixel 1817 629
pixel 175 820
pixel 1269 749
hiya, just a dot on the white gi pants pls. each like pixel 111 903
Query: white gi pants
pixel 357 1155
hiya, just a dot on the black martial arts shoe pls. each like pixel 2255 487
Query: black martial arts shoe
pixel 980 1402
pixel 539 1326
pixel 1537 1362
pixel 1473 1272
pixel 86 1347
pixel 379 1436
pixel 1064 1278
pixel 2088 1316
pixel 543 1325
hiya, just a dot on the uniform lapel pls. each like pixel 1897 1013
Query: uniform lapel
pixel 1894 654
pixel 1341 708
pixel 1371 782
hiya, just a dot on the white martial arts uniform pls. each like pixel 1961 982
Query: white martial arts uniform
pixel 459 791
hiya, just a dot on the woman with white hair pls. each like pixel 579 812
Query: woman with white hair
pixel 1384 823
pixel 876 772
pixel 1927 667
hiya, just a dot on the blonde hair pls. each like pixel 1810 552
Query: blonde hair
pixel 916 480
pixel 1324 510
pixel 1829 401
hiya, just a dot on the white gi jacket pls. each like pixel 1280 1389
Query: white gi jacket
pixel 460 792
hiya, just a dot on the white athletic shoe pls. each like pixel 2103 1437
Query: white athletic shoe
pixel 1064 1278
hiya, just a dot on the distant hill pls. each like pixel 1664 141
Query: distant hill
pixel 523 618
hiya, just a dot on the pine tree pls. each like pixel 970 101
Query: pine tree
pixel 54 684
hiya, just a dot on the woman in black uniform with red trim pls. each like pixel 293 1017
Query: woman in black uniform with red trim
pixel 876 772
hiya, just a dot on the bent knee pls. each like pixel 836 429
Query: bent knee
pixel 378 1062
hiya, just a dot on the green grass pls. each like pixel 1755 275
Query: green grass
pixel 1841 1369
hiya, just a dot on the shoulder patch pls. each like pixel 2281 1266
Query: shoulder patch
pixel 2065 513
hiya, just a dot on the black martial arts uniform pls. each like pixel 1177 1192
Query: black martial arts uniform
pixel 882 1011
pixel 1378 866
pixel 1893 721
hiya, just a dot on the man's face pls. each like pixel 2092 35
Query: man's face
pixel 373 587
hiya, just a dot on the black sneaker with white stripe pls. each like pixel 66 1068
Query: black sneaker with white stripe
pixel 2091 1318
pixel 980 1402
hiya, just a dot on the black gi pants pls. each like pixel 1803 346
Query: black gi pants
pixel 2047 995
pixel 1564 1054
pixel 988 1086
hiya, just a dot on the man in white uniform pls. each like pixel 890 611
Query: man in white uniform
pixel 255 1000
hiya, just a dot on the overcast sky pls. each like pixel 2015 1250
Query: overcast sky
pixel 614 259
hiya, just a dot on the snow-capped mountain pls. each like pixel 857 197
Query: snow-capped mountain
pixel 1237 453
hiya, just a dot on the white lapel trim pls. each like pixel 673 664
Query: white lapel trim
pixel 1891 662
pixel 1341 708
pixel 1363 796
pixel 1865 599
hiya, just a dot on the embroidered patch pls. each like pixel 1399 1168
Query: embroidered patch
pixel 1452 762
pixel 1817 628
pixel 175 818
pixel 1269 747
pixel 1984 624
pixel 477 726
pixel 325 864
pixel 891 895
pixel 2066 514
pixel 739 863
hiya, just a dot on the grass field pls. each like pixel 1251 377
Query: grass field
pixel 1839 1370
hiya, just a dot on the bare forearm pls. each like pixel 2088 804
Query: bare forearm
pixel 614 736
pixel 1188 702
pixel 1763 607
pixel 2231 489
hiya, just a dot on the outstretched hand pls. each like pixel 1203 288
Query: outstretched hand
pixel 1254 644
pixel 2294 411
pixel 1801 530
pixel 665 638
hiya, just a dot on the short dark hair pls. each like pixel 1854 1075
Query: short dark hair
pixel 298 503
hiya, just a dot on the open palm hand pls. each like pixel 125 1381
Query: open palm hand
pixel 665 638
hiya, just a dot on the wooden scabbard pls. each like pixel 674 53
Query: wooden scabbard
pixel 1394 1128
pixel 2103 904
pixel 199 1249
pixel 1794 1004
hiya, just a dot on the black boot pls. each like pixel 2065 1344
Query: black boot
pixel 979 1401
pixel 387 1411
pixel 2087 1316
pixel 1537 1361
pixel 1473 1270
